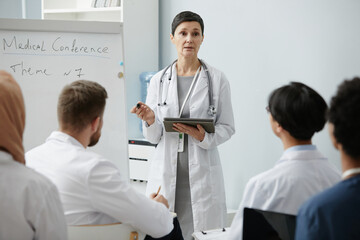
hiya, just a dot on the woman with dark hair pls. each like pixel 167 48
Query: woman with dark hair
pixel 186 163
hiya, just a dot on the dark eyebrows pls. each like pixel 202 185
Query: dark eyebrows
pixel 185 29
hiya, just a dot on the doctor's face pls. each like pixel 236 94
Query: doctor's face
pixel 187 39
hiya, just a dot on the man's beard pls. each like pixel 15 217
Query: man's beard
pixel 95 138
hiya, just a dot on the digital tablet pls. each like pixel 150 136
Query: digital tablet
pixel 207 124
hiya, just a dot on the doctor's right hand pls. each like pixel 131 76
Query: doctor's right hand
pixel 159 198
pixel 144 112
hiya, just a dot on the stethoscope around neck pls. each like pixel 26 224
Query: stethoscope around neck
pixel 211 110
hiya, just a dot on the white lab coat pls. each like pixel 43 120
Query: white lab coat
pixel 205 172
pixel 296 177
pixel 92 189
pixel 30 207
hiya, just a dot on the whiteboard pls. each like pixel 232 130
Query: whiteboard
pixel 45 55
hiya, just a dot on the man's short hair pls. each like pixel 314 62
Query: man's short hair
pixel 186 16
pixel 299 109
pixel 344 114
pixel 80 103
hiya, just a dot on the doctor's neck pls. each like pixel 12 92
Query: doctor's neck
pixel 187 66
pixel 289 141
pixel 81 136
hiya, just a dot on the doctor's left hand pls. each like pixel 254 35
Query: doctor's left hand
pixel 198 133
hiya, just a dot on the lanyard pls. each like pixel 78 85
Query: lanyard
pixel 188 94
pixel 350 172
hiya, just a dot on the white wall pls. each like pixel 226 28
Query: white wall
pixel 141 52
pixel 261 45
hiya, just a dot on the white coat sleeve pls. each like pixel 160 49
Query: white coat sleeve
pixel 50 221
pixel 253 197
pixel 154 132
pixel 113 195
pixel 224 125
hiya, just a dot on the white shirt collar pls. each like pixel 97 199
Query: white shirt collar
pixel 349 172
pixel 307 147
pixel 301 152
pixel 61 136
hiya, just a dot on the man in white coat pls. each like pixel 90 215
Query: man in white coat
pixel 296 112
pixel 91 187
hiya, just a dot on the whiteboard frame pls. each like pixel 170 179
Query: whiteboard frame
pixel 33 25
pixel 59 26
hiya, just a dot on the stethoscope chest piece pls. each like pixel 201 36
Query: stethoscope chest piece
pixel 212 110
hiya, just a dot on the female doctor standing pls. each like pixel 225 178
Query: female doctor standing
pixel 186 163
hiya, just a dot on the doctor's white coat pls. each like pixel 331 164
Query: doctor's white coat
pixel 296 177
pixel 205 172
pixel 92 189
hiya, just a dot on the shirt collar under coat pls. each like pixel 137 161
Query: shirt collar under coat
pixel 301 155
pixel 63 137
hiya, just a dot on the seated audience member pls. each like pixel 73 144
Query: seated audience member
pixel 91 187
pixel 30 206
pixel 296 112
pixel 335 213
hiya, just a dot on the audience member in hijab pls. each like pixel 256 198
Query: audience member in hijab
pixel 30 207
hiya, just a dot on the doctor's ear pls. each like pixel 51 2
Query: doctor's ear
pixel 95 124
pixel 278 127
pixel 335 143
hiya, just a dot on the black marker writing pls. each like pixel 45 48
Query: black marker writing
pixel 79 72
pixel 59 46
pixel 28 71
pixel 67 73
pixel 27 45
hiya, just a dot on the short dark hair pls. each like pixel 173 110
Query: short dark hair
pixel 344 114
pixel 80 103
pixel 299 109
pixel 186 16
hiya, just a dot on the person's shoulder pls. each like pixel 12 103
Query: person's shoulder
pixel 264 180
pixel 330 168
pixel 217 73
pixel 36 156
pixel 159 73
pixel 323 200
pixel 35 182
pixel 265 176
pixel 35 150
pixel 211 67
